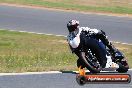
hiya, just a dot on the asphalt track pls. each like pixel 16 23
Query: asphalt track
pixel 118 29
pixel 56 80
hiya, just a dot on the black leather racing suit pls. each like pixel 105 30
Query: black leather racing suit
pixel 91 41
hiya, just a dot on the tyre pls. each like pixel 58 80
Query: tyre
pixel 81 63
pixel 90 65
pixel 122 68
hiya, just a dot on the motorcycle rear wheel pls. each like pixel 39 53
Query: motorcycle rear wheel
pixel 122 68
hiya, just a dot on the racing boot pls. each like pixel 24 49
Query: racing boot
pixel 110 66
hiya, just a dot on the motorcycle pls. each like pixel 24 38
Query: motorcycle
pixel 91 62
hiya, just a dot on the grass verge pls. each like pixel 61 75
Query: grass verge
pixel 26 52
pixel 109 6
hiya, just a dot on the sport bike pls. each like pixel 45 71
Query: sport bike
pixel 91 62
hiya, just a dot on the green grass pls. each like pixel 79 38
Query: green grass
pixel 26 52
pixel 23 52
pixel 111 6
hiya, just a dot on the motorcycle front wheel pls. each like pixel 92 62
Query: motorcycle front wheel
pixel 84 62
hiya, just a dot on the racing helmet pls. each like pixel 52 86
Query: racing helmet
pixel 72 25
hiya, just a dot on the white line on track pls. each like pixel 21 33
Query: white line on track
pixel 39 73
pixel 62 35
pixel 30 73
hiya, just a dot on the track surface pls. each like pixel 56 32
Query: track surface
pixel 60 80
pixel 54 22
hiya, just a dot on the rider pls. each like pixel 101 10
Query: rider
pixel 92 41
